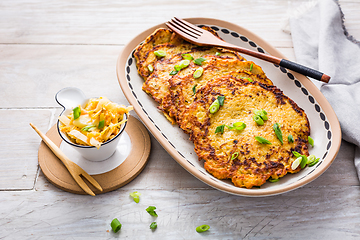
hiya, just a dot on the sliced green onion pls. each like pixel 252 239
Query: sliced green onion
pixel 177 68
pixel 251 67
pixel 220 129
pixel 296 163
pixel 199 61
pixel 136 196
pixel 184 63
pixel 221 100
pixel 151 211
pixel 76 112
pixel 296 154
pixel 237 126
pixel 261 113
pixel 153 225
pixel 290 138
pixel 250 80
pixel 311 141
pixel 304 161
pixel 101 124
pixel 314 162
pixel 258 120
pixel 214 107
pixel 278 132
pixel 194 89
pixel 87 128
pixel 173 72
pixel 160 53
pixel 262 140
pixel 311 158
pixel 198 72
pixel 187 56
pixel 218 54
pixel 115 225
pixel 202 228
pixel 274 180
pixel 234 155
pixel 150 67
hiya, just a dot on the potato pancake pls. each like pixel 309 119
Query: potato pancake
pixel 171 43
pixel 236 154
pixel 182 89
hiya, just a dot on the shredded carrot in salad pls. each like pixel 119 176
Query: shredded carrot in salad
pixel 99 121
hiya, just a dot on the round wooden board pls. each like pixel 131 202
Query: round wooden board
pixel 59 176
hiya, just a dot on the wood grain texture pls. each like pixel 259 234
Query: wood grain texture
pixel 46 46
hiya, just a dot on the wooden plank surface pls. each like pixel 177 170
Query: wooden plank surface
pixel 47 45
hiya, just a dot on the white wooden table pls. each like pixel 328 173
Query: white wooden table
pixel 48 45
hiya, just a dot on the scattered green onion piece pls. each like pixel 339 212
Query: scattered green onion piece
pixel 199 61
pixel 251 67
pixel 177 68
pixel 173 72
pixel 115 225
pixel 198 72
pixel 101 124
pixel 194 89
pixel 76 112
pixel 150 67
pixel 218 54
pixel 304 161
pixel 160 53
pixel 187 56
pixel 262 140
pixel 220 129
pixel 278 132
pixel 296 163
pixel 311 141
pixel 237 126
pixel 202 228
pixel 214 107
pixel 87 128
pixel 274 180
pixel 258 120
pixel 262 113
pixel 153 225
pixel 136 196
pixel 151 211
pixel 314 162
pixel 184 63
pixel 290 138
pixel 250 80
pixel 221 100
pixel 311 158
pixel 234 155
pixel 296 154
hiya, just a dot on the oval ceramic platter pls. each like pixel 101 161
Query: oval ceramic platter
pixel 325 127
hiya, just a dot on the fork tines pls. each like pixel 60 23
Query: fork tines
pixel 184 27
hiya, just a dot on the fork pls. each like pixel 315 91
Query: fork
pixel 201 37
pixel 75 171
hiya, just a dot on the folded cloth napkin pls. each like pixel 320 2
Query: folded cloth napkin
pixel 322 42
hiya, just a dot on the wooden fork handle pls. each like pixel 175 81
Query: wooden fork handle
pixel 68 164
pixel 281 62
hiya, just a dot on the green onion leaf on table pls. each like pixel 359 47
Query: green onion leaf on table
pixel 115 225
pixel 136 196
pixel 151 211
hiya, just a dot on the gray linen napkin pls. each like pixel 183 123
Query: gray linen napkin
pixel 322 42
